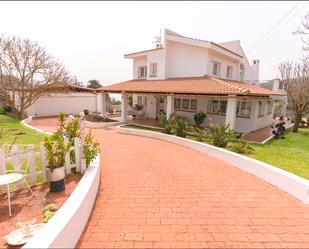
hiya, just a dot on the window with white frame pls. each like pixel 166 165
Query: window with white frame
pixel 153 69
pixel 261 108
pixel 139 100
pixel 269 107
pixel 185 104
pixel 216 68
pixel 243 109
pixel 229 72
pixel 142 72
pixel 217 106
pixel 177 103
pixel 193 104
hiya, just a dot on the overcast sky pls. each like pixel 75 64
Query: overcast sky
pixel 90 38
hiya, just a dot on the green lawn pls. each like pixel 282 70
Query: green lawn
pixel 290 154
pixel 11 128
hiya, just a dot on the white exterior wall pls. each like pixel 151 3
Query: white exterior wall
pixel 72 103
pixel 184 60
pixel 225 62
pixel 156 56
pixel 250 74
pixel 178 59
pixel 265 120
pixel 137 62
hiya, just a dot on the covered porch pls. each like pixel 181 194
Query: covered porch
pixel 242 106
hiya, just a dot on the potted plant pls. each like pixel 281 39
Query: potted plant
pixel 138 109
pixel 55 156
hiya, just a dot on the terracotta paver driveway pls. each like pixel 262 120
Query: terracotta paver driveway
pixel 155 194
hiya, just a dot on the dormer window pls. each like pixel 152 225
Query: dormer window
pixel 229 72
pixel 153 70
pixel 142 71
pixel 216 68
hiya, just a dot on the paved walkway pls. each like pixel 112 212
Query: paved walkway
pixel 155 194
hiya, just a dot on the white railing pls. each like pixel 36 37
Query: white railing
pixel 24 158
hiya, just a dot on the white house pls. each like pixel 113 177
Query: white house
pixel 187 75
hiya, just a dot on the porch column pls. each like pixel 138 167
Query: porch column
pixel 284 104
pixel 101 103
pixel 168 106
pixel 124 107
pixel 231 112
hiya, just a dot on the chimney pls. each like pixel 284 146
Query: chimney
pixel 256 71
pixel 276 85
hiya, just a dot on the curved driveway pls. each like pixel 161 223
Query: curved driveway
pixel 155 194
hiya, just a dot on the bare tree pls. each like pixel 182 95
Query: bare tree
pixel 304 30
pixel 27 72
pixel 295 76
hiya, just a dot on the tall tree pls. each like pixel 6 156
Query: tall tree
pixel 94 84
pixel 304 30
pixel 295 76
pixel 27 72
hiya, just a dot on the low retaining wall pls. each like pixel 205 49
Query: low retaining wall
pixel 97 125
pixel 67 225
pixel 26 122
pixel 64 229
pixel 290 183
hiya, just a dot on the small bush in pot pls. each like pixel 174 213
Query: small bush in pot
pixel 199 118
pixel 138 107
pixel 86 112
pixel 55 155
pixel 91 149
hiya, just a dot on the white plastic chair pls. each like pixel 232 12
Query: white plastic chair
pixel 15 175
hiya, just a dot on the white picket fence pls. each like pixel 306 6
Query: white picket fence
pixel 25 158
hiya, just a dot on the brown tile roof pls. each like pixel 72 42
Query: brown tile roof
pixel 195 85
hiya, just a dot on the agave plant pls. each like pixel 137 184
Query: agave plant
pixel 200 134
pixel 241 146
pixel 220 135
pixel 180 126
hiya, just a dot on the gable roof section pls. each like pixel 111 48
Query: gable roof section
pixel 168 32
pixel 194 85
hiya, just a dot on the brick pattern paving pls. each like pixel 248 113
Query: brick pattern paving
pixel 155 194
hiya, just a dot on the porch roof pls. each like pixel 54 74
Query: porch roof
pixel 206 85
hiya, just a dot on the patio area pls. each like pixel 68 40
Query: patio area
pixel 155 194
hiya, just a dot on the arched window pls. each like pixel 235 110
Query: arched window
pixel 242 72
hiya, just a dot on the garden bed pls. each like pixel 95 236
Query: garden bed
pixel 25 207
pixel 97 118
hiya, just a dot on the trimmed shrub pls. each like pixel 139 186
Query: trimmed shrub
pixel 199 118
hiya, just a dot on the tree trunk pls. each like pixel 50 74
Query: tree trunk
pixel 298 118
pixel 21 114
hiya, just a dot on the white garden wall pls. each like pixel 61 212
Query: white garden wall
pixel 71 103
